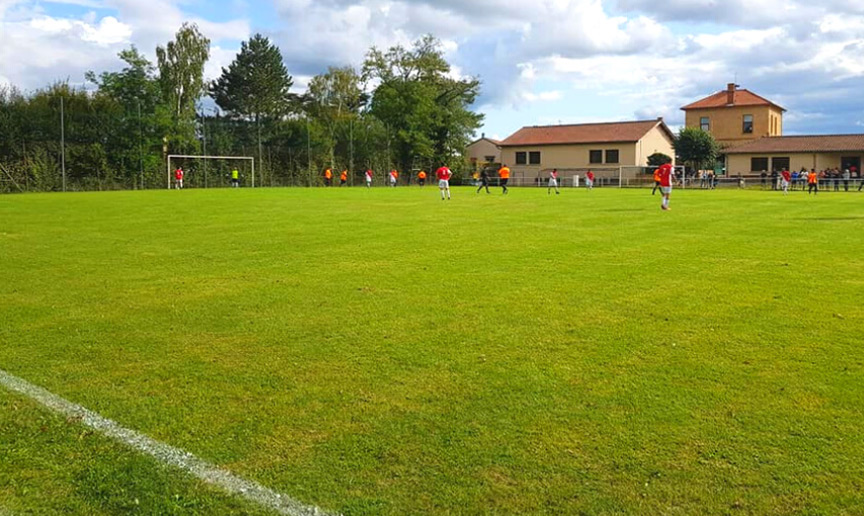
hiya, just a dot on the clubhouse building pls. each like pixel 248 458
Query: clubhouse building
pixel 748 127
pixel 603 147
pixel 750 130
pixel 484 152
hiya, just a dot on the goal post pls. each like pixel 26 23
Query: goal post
pixel 226 158
pixel 640 177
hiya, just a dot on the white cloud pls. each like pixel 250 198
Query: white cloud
pixel 37 48
pixel 808 56
pixel 543 96
pixel 108 30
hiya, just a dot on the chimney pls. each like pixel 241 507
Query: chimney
pixel 730 93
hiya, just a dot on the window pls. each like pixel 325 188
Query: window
pixel 705 123
pixel 612 156
pixel 780 164
pixel 759 164
pixel 534 158
pixel 490 159
pixel 748 124
pixel 521 158
pixel 596 157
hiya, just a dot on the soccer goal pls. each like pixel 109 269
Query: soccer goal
pixel 641 177
pixel 198 173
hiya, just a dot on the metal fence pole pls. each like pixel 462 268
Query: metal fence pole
pixel 63 141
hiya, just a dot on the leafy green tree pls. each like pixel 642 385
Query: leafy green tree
pixel 425 110
pixel 256 85
pixel 181 76
pixel 658 158
pixel 137 89
pixel 696 148
pixel 335 100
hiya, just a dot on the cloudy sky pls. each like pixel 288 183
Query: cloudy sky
pixel 541 62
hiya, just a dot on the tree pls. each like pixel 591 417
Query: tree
pixel 137 89
pixel 181 75
pixel 696 148
pixel 424 109
pixel 334 100
pixel 256 85
pixel 136 85
pixel 658 158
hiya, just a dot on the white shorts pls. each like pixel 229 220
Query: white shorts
pixel 444 184
pixel 785 184
pixel 589 183
pixel 553 183
pixel 666 190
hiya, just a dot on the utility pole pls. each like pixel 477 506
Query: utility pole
pixel 351 147
pixel 260 152
pixel 309 149
pixel 204 143
pixel 63 141
pixel 140 145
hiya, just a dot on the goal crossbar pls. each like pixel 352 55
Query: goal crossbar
pixel 234 158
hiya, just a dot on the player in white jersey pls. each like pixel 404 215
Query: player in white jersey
pixel 553 182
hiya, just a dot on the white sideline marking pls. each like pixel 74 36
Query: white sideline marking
pixel 164 453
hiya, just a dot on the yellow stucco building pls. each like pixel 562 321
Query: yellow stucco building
pixel 750 130
pixel 484 152
pixel 603 148
pixel 819 152
pixel 735 116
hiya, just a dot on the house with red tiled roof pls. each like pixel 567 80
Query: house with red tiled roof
pixel 734 116
pixel 749 127
pixel 601 147
pixel 484 152
pixel 820 152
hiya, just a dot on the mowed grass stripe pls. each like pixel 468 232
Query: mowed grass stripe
pixel 161 452
pixel 384 352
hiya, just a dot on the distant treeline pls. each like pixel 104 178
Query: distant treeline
pixel 402 110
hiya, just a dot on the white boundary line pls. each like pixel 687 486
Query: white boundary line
pixel 164 453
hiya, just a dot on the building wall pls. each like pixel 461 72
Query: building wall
pixel 478 151
pixel 727 123
pixel 578 157
pixel 655 141
pixel 567 157
pixel 741 163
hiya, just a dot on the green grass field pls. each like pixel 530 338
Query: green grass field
pixel 382 352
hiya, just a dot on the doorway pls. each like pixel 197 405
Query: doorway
pixel 851 163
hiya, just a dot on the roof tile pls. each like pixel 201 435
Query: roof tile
pixel 802 144
pixel 615 132
pixel 721 99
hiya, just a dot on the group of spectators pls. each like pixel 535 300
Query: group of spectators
pixel 707 179
pixel 826 179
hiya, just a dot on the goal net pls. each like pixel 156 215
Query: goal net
pixel 642 177
pixel 211 171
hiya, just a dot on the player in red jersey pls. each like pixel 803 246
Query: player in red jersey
pixel 589 180
pixel 443 174
pixel 369 175
pixel 786 181
pixel 178 178
pixel 667 176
